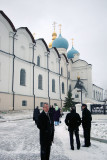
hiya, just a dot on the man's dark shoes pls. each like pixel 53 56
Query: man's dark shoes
pixel 85 145
pixel 78 147
pixel 72 148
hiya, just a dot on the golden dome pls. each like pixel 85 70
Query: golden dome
pixel 50 45
pixel 78 77
pixel 54 35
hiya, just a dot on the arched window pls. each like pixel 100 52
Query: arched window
pixel 53 85
pixel 63 91
pixel 38 61
pixel 22 77
pixel 76 96
pixel 70 87
pixel 68 75
pixel 100 96
pixel 96 95
pixel 61 71
pixel 40 81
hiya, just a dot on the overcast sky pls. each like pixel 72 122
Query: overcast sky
pixel 83 20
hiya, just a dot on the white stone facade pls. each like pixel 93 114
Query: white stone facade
pixel 19 52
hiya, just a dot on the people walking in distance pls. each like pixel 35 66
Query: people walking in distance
pixel 56 115
pixel 36 113
pixel 45 124
pixel 52 111
pixel 73 122
pixel 86 123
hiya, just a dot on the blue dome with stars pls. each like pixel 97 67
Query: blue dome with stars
pixel 71 53
pixel 60 42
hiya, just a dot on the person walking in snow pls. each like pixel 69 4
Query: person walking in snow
pixel 73 122
pixel 45 125
pixel 36 113
pixel 56 115
pixel 86 123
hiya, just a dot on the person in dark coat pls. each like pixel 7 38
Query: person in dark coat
pixel 52 111
pixel 73 122
pixel 45 125
pixel 86 123
pixel 36 113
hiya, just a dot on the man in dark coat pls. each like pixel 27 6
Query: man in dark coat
pixel 73 122
pixel 86 123
pixel 45 124
pixel 36 113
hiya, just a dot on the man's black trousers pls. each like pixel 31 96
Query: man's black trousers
pixel 87 136
pixel 45 152
pixel 76 132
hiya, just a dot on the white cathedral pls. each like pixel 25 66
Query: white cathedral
pixel 32 73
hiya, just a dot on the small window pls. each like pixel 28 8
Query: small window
pixel 41 104
pixel 76 96
pixel 22 77
pixel 53 85
pixel 38 61
pixel 40 81
pixel 61 71
pixel 63 90
pixel 70 87
pixel 24 103
pixel 68 75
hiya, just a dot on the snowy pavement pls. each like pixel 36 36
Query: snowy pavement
pixel 19 140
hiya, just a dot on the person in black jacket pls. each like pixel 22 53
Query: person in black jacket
pixel 73 122
pixel 46 126
pixel 36 113
pixel 86 123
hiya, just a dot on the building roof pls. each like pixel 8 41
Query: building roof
pixel 9 21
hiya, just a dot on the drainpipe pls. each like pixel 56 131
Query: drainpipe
pixel 33 72
pixel 48 76
pixel 60 84
pixel 67 77
pixel 13 70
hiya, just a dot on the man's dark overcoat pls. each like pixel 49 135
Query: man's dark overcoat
pixel 86 118
pixel 46 126
pixel 73 121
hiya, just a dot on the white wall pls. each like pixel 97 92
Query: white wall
pixel 97 93
pixel 22 45
pixel 5 73
pixel 42 52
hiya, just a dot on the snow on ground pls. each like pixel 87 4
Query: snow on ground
pixel 97 151
pixel 19 139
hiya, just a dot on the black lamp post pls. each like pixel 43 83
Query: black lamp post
pixel 80 87
pixel 80 90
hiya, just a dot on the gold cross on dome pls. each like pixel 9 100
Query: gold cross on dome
pixel 60 28
pixel 54 23
pixel 72 41
pixel 34 35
